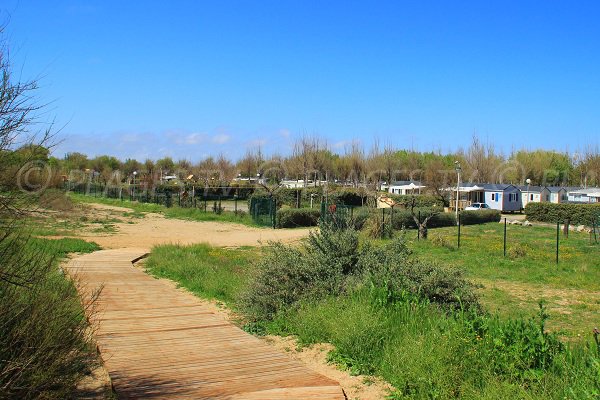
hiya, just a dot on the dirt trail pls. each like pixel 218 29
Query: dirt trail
pixel 154 229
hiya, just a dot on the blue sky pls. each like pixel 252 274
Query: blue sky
pixel 195 78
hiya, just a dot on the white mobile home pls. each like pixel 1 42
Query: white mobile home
pixel 405 187
pixel 588 195
pixel 468 193
pixel 503 197
pixel 534 194
pixel 558 194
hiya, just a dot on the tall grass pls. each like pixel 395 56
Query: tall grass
pixel 383 324
pixel 45 342
pixel 427 354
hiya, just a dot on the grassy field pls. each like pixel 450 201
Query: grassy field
pixel 421 351
pixel 190 214
pixel 513 285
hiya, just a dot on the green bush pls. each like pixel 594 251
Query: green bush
pixel 391 266
pixel 288 274
pixel 295 217
pixel 348 197
pixel 361 215
pixel 45 340
pixel 479 217
pixel 403 218
pixel 421 200
pixel 578 214
pixel 331 262
pixel 375 228
pixel 517 251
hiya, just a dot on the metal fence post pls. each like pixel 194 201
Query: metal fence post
pixel 382 222
pixel 458 224
pixel 504 237
pixel 557 239
pixel 418 225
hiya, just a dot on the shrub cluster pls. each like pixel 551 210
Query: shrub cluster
pixel 45 340
pixel 295 217
pixel 479 217
pixel 579 214
pixel 421 200
pixel 331 262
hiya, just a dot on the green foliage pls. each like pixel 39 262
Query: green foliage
pixel 421 201
pixel 521 349
pixel 375 228
pixel 392 266
pixel 517 250
pixel 348 197
pixel 287 274
pixel 45 343
pixel 427 353
pixel 380 322
pixel 552 213
pixel 403 219
pixel 295 217
pixel 331 262
pixel 441 240
pixel 479 217
pixel 207 271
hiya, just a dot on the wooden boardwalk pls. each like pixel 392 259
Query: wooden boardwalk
pixel 159 343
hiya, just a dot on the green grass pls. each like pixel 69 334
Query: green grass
pixel 60 248
pixel 190 214
pixel 513 286
pixel 423 352
pixel 44 342
pixel 209 272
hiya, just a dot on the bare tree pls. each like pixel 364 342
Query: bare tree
pixel 421 225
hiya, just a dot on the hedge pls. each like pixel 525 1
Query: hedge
pixel 578 214
pixel 479 217
pixel 295 217
pixel 404 218
pixel 422 200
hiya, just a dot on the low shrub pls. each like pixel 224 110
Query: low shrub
pixel 295 217
pixel 375 228
pixel 404 219
pixel 331 262
pixel 421 200
pixel 393 267
pixel 479 217
pixel 517 251
pixel 578 214
pixel 288 274
pixel 45 340
pixel 441 241
pixel 361 215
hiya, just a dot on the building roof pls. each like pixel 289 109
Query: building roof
pixel 407 184
pixel 497 187
pixel 531 188
pixel 590 192
pixel 555 189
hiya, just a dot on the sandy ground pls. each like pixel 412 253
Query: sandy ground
pixel 155 229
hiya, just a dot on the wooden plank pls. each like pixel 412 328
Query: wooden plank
pixel 159 343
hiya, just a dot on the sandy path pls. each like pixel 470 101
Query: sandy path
pixel 154 229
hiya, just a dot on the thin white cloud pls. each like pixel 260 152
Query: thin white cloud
pixel 221 138
pixel 194 138
pixel 284 133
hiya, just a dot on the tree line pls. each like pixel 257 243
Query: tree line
pixel 312 160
